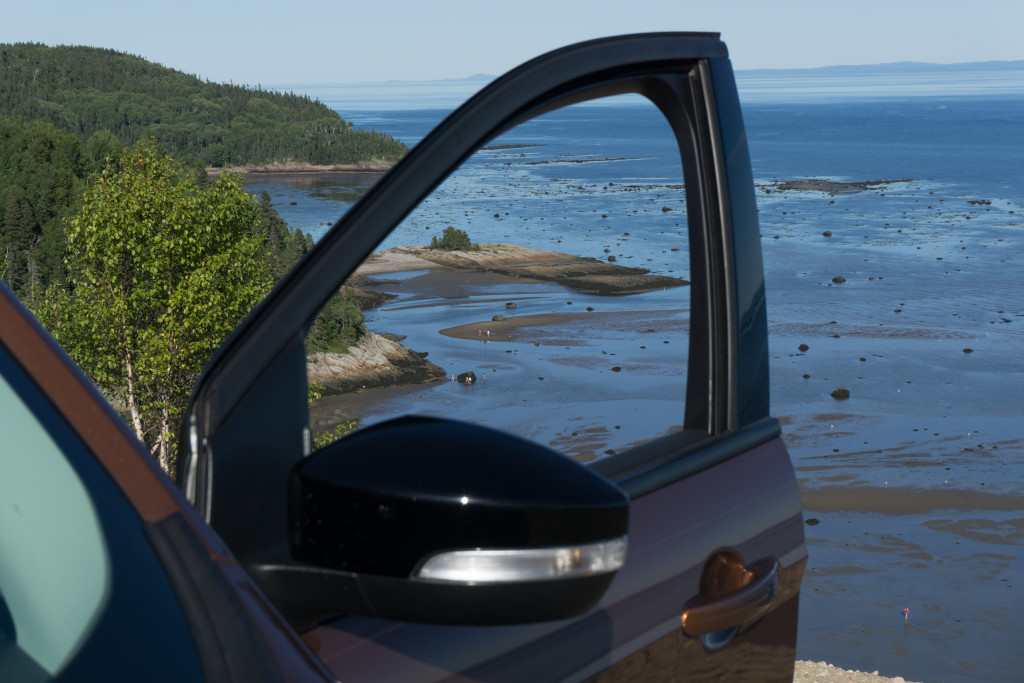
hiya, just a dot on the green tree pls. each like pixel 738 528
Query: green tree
pixel 159 271
pixel 284 246
pixel 452 239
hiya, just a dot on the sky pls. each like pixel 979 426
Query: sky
pixel 340 41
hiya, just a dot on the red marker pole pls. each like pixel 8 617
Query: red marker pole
pixel 906 613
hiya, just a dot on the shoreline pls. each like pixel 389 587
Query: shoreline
pixel 292 170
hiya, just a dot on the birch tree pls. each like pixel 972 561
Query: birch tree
pixel 160 269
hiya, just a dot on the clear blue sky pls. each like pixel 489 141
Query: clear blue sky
pixel 340 41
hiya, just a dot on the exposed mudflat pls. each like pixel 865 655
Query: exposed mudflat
pixel 831 187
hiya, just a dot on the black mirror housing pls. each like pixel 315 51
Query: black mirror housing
pixel 383 505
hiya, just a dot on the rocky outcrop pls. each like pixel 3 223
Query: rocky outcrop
pixel 579 273
pixel 374 362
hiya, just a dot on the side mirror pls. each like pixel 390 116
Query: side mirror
pixel 431 520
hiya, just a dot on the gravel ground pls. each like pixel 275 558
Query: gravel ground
pixel 820 672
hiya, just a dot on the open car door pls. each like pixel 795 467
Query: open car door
pixel 424 549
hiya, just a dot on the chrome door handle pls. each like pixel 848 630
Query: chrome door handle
pixel 749 598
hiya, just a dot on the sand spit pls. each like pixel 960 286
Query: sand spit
pixel 509 328
pixel 392 261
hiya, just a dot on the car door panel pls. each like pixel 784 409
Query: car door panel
pixel 673 531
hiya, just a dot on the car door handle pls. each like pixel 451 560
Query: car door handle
pixel 756 587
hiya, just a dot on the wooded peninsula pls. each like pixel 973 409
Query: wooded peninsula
pixel 87 90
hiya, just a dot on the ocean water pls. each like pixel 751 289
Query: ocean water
pixel 914 485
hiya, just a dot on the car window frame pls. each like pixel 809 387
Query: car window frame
pixel 670 70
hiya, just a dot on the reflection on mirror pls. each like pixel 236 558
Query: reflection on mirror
pixel 541 290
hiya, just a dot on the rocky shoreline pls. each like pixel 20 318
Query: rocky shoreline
pixel 375 361
pixel 820 672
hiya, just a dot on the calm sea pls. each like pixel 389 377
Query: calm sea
pixel 932 264
pixel 964 129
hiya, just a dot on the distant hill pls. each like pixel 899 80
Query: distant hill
pixel 482 78
pixel 83 90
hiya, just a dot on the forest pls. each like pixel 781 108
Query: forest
pixel 86 90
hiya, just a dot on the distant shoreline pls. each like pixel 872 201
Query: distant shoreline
pixel 265 170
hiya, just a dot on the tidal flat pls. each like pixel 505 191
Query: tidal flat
pixel 912 302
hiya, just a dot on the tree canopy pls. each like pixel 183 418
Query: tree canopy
pixel 85 90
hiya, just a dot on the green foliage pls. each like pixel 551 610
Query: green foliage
pixel 85 90
pixel 329 436
pixel 452 239
pixel 103 148
pixel 159 270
